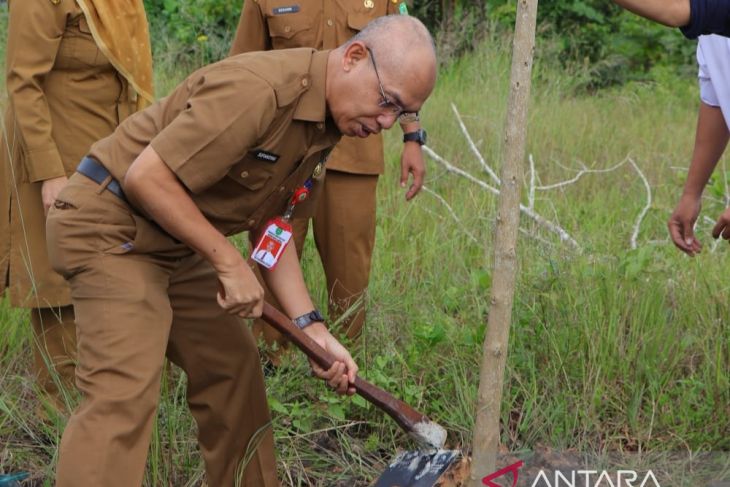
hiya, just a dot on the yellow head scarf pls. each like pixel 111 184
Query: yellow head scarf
pixel 120 30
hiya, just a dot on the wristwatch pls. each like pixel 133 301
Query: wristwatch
pixel 307 319
pixel 417 136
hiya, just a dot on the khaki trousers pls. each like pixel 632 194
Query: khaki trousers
pixel 344 232
pixel 140 296
pixel 54 352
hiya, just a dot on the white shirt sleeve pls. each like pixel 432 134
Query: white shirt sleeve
pixel 707 90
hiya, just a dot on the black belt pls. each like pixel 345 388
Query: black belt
pixel 91 168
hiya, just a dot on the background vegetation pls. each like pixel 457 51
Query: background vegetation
pixel 612 349
pixel 610 45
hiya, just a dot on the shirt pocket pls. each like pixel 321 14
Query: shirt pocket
pixel 291 30
pixel 251 173
pixel 356 21
pixel 78 50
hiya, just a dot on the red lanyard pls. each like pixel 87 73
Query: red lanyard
pixel 300 194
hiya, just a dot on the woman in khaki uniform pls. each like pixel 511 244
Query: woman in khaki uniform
pixel 74 72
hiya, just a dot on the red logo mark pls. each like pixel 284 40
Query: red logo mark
pixel 514 468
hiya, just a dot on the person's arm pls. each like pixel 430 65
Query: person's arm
pixel 411 159
pixel 672 13
pixel 412 162
pixel 31 54
pixel 153 187
pixel 287 284
pixel 693 17
pixel 710 142
pixel 252 33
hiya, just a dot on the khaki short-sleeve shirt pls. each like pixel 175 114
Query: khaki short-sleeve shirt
pixel 320 24
pixel 241 135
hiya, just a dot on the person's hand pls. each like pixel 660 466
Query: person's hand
pixel 240 293
pixel 722 227
pixel 341 376
pixel 50 189
pixel 681 225
pixel 411 162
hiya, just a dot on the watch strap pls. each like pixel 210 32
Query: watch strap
pixel 408 117
pixel 417 136
pixel 307 319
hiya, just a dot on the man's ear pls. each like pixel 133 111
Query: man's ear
pixel 354 53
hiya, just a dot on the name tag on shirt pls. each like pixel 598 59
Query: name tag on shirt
pixel 267 156
pixel 292 9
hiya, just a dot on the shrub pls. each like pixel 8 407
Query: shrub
pixel 192 31
pixel 613 46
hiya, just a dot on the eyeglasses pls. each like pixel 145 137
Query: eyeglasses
pixel 386 102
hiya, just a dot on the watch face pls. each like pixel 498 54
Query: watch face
pixel 417 136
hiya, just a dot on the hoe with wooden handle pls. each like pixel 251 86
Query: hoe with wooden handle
pixel 414 469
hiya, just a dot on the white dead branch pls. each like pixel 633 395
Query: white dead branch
pixel 474 148
pixel 493 183
pixel 583 171
pixel 645 210
pixel 529 212
pixel 531 192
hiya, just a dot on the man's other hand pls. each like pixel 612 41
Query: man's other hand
pixel 50 189
pixel 240 293
pixel 722 227
pixel 341 376
pixel 411 162
pixel 681 225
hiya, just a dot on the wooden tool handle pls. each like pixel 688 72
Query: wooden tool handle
pixel 402 413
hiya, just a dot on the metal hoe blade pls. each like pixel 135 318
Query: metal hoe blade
pixel 417 468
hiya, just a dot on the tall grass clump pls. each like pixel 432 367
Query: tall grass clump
pixel 612 348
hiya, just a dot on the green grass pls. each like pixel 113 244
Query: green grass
pixel 611 350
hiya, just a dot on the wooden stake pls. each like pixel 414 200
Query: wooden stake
pixel 491 377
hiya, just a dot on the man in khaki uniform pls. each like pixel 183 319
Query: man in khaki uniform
pixel 344 222
pixel 67 88
pixel 140 233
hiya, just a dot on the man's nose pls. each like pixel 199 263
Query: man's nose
pixel 386 120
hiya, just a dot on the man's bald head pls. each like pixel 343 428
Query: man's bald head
pixel 395 54
pixel 398 40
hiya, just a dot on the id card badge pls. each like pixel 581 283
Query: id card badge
pixel 272 243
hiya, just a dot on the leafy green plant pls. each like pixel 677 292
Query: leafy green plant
pixel 613 46
pixel 193 31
